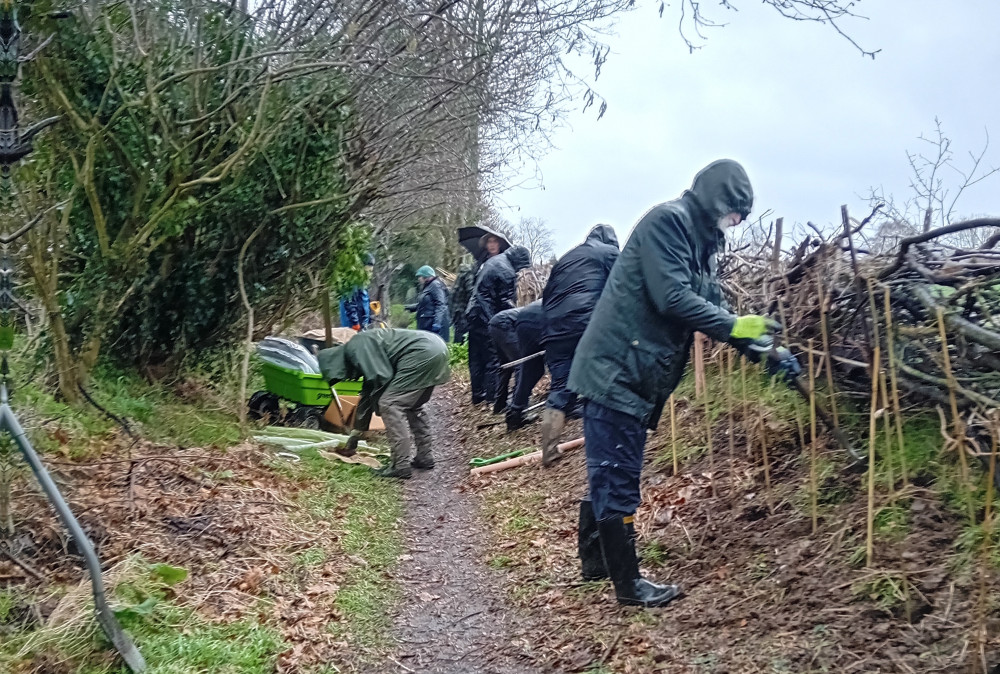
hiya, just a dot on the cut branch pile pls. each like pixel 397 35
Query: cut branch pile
pixel 531 282
pixel 930 303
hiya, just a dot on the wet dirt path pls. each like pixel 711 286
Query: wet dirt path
pixel 452 618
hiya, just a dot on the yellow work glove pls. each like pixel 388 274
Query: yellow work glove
pixel 753 327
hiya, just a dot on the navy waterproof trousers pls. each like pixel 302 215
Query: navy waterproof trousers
pixel 559 358
pixel 484 364
pixel 614 444
pixel 528 374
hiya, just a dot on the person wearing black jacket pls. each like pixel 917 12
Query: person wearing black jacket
pixel 517 333
pixel 490 245
pixel 568 300
pixel 432 305
pixel 633 353
pixel 495 291
pixel 461 291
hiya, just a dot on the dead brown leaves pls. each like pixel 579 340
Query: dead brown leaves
pixel 227 517
pixel 763 593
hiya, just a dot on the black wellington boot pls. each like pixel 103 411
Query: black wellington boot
pixel 623 567
pixel 633 536
pixel 592 564
pixel 517 418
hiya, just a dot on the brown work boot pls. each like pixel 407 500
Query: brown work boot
pixel 553 421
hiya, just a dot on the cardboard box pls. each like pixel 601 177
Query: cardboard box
pixel 349 404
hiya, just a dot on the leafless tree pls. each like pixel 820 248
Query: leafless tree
pixel 451 94
pixel 692 19
pixel 536 236
pixel 937 184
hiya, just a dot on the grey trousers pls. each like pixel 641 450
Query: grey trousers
pixel 403 414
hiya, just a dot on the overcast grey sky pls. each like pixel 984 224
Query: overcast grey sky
pixel 814 122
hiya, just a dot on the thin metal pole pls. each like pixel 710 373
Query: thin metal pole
pixel 515 363
pixel 121 641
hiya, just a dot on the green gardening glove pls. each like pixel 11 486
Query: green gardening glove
pixel 753 327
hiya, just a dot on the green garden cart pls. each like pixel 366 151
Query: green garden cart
pixel 310 394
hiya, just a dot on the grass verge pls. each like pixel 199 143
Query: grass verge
pixel 369 510
pixel 179 628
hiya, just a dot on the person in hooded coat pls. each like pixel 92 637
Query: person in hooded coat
pixel 495 291
pixel 400 369
pixel 568 300
pixel 490 245
pixel 431 306
pixel 517 334
pixel 633 353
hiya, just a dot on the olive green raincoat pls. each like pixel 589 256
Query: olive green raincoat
pixel 388 359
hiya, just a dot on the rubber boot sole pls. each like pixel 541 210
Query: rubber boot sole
pixel 393 473
pixel 659 603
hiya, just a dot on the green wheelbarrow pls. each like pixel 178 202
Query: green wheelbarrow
pixel 311 395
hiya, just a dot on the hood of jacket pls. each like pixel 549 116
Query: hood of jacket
pixel 333 363
pixel 604 234
pixel 722 187
pixel 519 257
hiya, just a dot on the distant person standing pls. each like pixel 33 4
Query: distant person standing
pixel 432 305
pixel 568 300
pixel 490 245
pixel 461 291
pixel 495 291
pixel 355 307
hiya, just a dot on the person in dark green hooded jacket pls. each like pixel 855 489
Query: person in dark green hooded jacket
pixel 400 370
pixel 662 288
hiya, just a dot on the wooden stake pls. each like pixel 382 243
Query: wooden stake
pixel 776 249
pixel 728 374
pixel 746 407
pixel 673 431
pixel 327 318
pixel 800 426
pixel 958 427
pixel 846 220
pixel 894 387
pixel 988 516
pixel 887 429
pixel 699 365
pixel 813 481
pixel 986 567
pixel 872 433
pixel 767 463
pixel 859 283
pixel 798 416
pixel 708 435
pixel 825 331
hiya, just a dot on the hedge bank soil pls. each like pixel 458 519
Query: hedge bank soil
pixel 488 580
pixel 764 594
